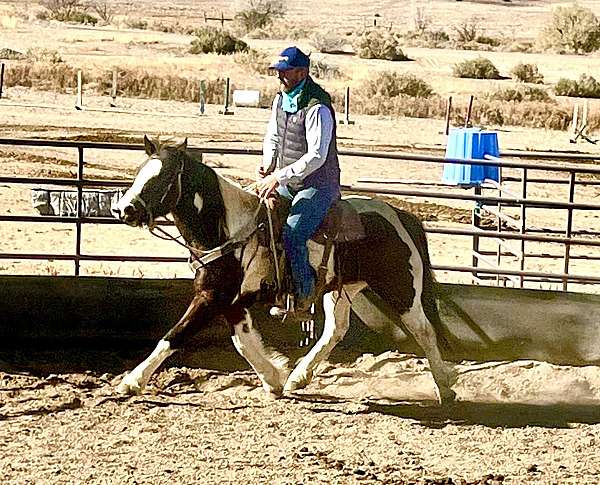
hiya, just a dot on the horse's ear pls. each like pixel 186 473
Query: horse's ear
pixel 150 147
pixel 182 146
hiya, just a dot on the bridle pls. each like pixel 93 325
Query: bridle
pixel 142 202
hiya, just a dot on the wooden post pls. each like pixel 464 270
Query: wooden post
pixel 225 110
pixel 468 118
pixel 205 19
pixel 448 111
pixel 1 79
pixel 201 98
pixel 222 19
pixel 347 108
pixel 113 91
pixel 79 101
pixel 575 116
pixel 584 114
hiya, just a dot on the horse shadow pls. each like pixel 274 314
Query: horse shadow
pixel 489 414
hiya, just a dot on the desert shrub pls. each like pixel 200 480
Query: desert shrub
pixel 479 68
pixel 392 84
pixel 520 94
pixel 572 29
pixel 211 39
pixel 62 10
pixel 41 75
pixel 323 70
pixel 39 54
pixel 146 84
pixel 380 44
pixel 258 14
pixel 328 41
pixel 585 87
pixel 12 55
pixel 68 11
pixel 485 39
pixel 467 30
pixel 136 23
pixel 104 11
pixel 282 30
pixel 255 61
pixel 432 39
pixel 527 73
pixel 82 17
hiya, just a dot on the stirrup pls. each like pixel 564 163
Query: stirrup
pixel 290 311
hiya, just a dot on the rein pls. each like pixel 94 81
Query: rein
pixel 203 257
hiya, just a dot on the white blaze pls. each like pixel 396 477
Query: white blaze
pixel 151 169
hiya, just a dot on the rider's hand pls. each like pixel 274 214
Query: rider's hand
pixel 266 186
pixel 260 173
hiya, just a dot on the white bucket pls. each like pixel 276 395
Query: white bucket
pixel 246 97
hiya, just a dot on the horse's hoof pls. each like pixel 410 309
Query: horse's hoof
pixel 129 388
pixel 273 395
pixel 295 383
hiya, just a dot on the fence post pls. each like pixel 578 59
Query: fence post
pixel 79 101
pixel 569 229
pixel 226 110
pixel 1 78
pixel 201 97
pixel 575 116
pixel 468 118
pixel 347 108
pixel 448 111
pixel 113 91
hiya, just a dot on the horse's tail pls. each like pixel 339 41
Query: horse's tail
pixel 430 286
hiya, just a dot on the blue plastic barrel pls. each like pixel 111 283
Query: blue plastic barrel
pixel 473 143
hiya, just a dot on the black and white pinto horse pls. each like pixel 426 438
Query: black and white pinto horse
pixel 219 219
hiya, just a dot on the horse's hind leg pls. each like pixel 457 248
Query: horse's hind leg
pixel 270 366
pixel 422 330
pixel 336 306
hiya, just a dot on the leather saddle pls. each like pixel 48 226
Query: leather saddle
pixel 341 224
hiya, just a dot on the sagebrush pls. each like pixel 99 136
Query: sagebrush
pixel 380 44
pixel 585 87
pixel 527 73
pixel 479 68
pixel 392 84
pixel 219 41
pixel 573 29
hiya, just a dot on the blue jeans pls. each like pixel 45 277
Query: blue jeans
pixel 308 209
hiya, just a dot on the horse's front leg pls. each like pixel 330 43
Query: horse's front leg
pixel 336 306
pixel 270 366
pixel 200 312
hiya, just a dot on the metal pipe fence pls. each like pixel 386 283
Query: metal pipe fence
pixel 522 234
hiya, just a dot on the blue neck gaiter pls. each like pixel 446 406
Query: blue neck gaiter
pixel 289 101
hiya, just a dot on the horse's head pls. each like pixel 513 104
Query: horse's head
pixel 157 186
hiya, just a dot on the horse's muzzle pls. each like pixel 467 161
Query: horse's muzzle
pixel 129 214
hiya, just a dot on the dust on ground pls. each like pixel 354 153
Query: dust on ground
pixel 372 420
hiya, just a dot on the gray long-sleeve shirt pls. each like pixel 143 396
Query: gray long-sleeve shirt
pixel 319 129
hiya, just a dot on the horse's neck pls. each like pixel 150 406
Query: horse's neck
pixel 240 206
pixel 204 230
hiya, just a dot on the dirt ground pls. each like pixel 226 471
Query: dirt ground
pixel 370 421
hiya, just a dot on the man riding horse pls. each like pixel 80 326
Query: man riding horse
pixel 300 162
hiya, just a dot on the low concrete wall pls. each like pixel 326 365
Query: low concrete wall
pixel 482 323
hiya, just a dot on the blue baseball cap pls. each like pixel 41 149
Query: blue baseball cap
pixel 291 58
